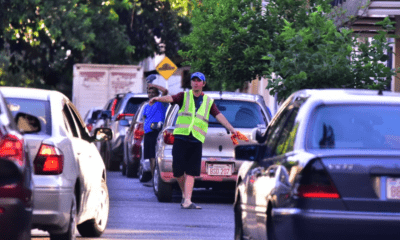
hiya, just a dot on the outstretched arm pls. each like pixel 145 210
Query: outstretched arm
pixel 166 99
pixel 221 119
pixel 163 90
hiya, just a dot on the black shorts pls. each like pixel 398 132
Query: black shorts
pixel 186 158
pixel 150 141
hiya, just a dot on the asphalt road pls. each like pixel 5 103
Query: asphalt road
pixel 135 213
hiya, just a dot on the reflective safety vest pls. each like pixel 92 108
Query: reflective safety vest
pixel 193 122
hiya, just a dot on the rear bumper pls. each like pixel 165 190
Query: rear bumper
pixel 298 224
pixel 52 208
pixel 15 218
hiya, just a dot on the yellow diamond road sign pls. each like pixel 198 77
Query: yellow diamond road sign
pixel 166 68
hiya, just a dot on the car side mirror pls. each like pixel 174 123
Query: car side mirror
pixel 105 114
pixel 102 134
pixel 250 152
pixel 124 122
pixel 27 123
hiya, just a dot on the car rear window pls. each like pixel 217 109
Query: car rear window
pixel 240 114
pixel 38 108
pixel 355 127
pixel 133 104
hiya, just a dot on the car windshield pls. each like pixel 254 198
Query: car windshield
pixel 133 104
pixel 38 108
pixel 241 114
pixel 355 127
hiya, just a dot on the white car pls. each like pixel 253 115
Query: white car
pixel 70 187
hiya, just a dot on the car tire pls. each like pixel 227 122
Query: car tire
pixel 95 227
pixel 162 190
pixel 142 175
pixel 71 232
pixel 238 221
pixel 132 170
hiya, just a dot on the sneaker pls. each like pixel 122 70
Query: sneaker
pixel 149 183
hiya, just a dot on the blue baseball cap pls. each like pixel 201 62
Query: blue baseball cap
pixel 151 78
pixel 198 75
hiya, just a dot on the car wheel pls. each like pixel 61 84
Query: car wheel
pixel 238 222
pixel 162 190
pixel 71 232
pixel 132 170
pixel 95 227
pixel 142 175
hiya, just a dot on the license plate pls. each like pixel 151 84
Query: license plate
pixel 219 169
pixel 393 188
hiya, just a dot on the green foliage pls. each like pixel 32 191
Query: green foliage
pixel 50 36
pixel 227 41
pixel 317 55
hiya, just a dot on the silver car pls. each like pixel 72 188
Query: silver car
pixel 327 168
pixel 246 112
pixel 70 187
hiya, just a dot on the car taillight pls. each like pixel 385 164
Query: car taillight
pixel 316 183
pixel 123 115
pixel 49 161
pixel 138 132
pixel 12 147
pixel 113 107
pixel 89 127
pixel 168 136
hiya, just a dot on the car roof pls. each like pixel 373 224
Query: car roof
pixel 232 95
pixel 347 95
pixel 31 93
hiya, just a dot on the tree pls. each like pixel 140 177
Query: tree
pixel 227 41
pixel 234 41
pixel 318 55
pixel 44 39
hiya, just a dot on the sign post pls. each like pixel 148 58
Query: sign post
pixel 166 68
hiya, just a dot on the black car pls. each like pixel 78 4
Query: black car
pixel 16 184
pixel 328 168
pixel 121 107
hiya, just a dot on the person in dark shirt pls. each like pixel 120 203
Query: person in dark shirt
pixel 187 147
pixel 154 116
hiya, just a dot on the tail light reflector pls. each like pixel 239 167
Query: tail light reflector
pixel 138 133
pixel 12 147
pixel 89 127
pixel 168 136
pixel 113 107
pixel 316 183
pixel 123 115
pixel 49 161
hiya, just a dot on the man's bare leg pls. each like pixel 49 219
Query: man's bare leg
pixel 189 181
pixel 181 182
pixel 152 165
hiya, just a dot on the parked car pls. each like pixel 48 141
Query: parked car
pixel 16 183
pixel 327 168
pixel 70 187
pixel 246 112
pixel 91 117
pixel 122 107
pixel 134 164
pixel 133 148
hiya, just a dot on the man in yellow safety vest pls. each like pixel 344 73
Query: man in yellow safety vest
pixel 190 132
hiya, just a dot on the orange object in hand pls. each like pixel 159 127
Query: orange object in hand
pixel 240 136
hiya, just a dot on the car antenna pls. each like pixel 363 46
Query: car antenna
pixel 380 93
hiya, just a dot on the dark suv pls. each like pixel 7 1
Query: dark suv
pixel 117 115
